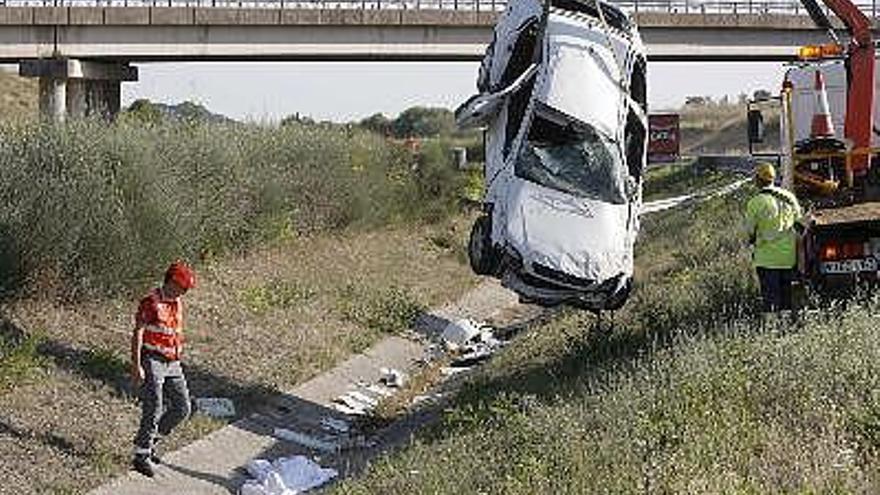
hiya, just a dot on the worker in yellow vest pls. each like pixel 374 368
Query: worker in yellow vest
pixel 773 217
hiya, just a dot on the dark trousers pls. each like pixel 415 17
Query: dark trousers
pixel 776 287
pixel 164 401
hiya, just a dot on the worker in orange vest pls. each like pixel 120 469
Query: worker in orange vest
pixel 156 345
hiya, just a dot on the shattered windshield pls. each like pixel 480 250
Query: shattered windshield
pixel 571 157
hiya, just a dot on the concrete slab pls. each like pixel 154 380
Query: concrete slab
pixel 16 15
pixel 86 16
pixel 50 15
pixel 213 465
pixel 131 16
pixel 382 17
pixel 301 16
pixel 341 17
pixel 172 16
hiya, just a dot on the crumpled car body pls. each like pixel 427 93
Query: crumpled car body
pixel 562 98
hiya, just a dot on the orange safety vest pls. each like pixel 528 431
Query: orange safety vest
pixel 162 324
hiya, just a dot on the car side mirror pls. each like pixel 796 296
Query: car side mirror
pixel 756 127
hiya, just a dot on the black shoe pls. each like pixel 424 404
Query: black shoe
pixel 141 464
pixel 153 455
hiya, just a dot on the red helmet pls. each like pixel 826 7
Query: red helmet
pixel 181 274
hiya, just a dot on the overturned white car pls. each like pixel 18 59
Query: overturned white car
pixel 563 99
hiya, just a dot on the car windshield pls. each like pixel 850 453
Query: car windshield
pixel 571 157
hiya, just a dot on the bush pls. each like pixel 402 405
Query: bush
pixel 87 208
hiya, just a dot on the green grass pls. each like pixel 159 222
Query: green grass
pixel 390 310
pixel 679 178
pixel 106 207
pixel 104 364
pixel 20 360
pixel 690 393
pixel 274 294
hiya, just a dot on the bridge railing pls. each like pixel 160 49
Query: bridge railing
pixel 784 7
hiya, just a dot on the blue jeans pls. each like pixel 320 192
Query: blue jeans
pixel 775 287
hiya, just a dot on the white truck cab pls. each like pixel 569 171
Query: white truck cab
pixel 563 99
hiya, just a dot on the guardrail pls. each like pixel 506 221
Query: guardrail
pixel 788 7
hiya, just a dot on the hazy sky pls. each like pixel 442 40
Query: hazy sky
pixel 351 91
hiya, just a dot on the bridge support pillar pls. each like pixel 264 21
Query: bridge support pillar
pixel 53 98
pixel 78 88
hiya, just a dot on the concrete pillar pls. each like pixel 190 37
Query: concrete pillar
pixel 76 98
pixel 104 98
pixel 79 88
pixel 53 98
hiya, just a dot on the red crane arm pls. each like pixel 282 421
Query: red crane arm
pixel 859 122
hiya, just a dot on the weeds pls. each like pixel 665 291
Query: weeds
pixel 103 364
pixel 20 360
pixel 688 394
pixel 276 294
pixel 390 311
pixel 681 178
pixel 106 207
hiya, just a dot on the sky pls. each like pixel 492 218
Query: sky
pixel 270 91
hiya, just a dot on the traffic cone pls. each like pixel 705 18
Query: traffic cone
pixel 822 127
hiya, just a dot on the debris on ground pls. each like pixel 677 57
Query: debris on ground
pixel 354 404
pixel 479 352
pixel 335 425
pixel 460 333
pixel 379 390
pixel 325 444
pixel 450 371
pixel 392 377
pixel 434 397
pixel 285 476
pixel 215 407
pixel 472 341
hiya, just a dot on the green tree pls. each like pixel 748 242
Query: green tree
pixel 145 111
pixel 377 123
pixel 424 122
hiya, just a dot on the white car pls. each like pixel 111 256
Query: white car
pixel 563 99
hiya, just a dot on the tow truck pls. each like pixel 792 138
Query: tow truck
pixel 836 176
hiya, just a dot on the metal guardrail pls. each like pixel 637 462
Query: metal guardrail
pixel 785 7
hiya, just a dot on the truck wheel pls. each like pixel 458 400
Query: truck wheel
pixel 480 251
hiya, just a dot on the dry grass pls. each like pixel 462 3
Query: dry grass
pixel 69 426
pixel 18 96
pixel 680 178
pixel 690 393
pixel 722 129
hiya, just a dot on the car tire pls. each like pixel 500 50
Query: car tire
pixel 616 300
pixel 480 251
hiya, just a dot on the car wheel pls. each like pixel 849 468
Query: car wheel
pixel 618 299
pixel 480 251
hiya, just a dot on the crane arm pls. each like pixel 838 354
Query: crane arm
pixel 859 123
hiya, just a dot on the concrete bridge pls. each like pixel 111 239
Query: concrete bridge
pixel 81 52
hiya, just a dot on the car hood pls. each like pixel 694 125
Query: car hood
pixel 581 237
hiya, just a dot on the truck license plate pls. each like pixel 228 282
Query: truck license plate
pixel 850 266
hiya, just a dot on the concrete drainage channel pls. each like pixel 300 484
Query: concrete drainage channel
pixel 328 427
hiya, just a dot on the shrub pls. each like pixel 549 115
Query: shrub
pixel 87 208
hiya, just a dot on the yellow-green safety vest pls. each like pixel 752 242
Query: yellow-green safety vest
pixel 770 218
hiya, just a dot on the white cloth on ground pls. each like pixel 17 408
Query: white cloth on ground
pixel 285 476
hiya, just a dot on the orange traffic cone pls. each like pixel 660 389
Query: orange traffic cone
pixel 822 127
